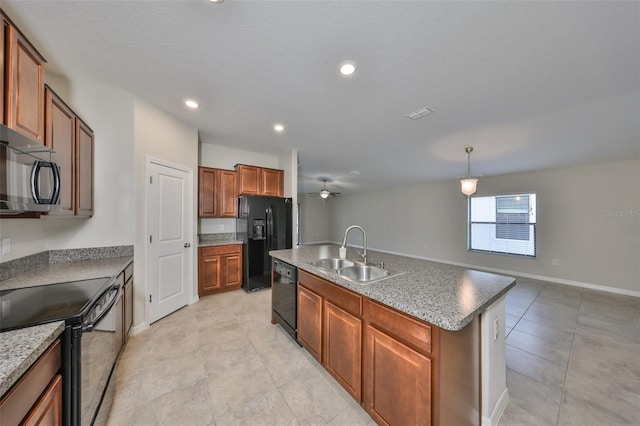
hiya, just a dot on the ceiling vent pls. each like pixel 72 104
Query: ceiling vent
pixel 423 112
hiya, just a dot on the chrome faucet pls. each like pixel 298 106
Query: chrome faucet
pixel 364 241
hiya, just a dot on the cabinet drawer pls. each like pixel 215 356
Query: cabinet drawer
pixel 19 400
pixel 341 297
pixel 216 250
pixel 415 333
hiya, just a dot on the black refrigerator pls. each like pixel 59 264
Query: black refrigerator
pixel 264 224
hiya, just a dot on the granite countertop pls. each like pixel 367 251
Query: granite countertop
pixel 445 295
pixel 220 239
pixel 21 348
pixel 67 271
pixel 210 243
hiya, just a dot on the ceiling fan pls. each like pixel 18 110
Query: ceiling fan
pixel 325 193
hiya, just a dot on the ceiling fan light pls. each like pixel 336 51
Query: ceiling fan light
pixel 324 193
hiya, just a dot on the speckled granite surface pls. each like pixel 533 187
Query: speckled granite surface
pixel 67 271
pixel 223 239
pixel 444 295
pixel 93 253
pixel 17 266
pixel 21 348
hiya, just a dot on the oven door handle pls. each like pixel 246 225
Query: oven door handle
pixel 87 327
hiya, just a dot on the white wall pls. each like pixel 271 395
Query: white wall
pixel 314 218
pixel 109 112
pixel 160 136
pixel 289 163
pixel 588 219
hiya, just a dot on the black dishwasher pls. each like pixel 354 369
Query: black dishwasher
pixel 284 296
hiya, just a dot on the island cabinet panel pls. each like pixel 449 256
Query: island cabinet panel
pixel 24 91
pixel 219 268
pixel 310 321
pixel 343 348
pixel 397 381
pixel 217 193
pixel 330 327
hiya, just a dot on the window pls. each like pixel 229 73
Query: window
pixel 503 224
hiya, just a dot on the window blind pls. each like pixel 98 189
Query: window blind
pixel 503 224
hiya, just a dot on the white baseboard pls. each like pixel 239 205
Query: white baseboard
pixel 137 329
pixel 498 410
pixel 519 274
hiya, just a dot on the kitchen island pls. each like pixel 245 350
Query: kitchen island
pixel 407 347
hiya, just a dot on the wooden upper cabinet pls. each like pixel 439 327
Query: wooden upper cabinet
pixel 24 91
pixel 254 180
pixel 217 196
pixel 219 268
pixel 248 179
pixel 73 141
pixel 271 182
pixel 60 135
pixel 84 169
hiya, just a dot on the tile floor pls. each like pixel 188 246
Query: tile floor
pixel 573 357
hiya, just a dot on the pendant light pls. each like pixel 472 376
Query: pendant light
pixel 468 184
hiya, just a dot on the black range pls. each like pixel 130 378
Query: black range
pixel 89 342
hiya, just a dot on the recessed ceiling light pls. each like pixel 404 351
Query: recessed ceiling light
pixel 191 103
pixel 354 173
pixel 347 68
pixel 278 128
pixel 215 1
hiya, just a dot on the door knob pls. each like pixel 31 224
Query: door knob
pixel 187 245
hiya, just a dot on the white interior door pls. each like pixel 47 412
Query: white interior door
pixel 170 254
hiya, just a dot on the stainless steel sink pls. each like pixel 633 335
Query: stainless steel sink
pixel 333 263
pixel 363 274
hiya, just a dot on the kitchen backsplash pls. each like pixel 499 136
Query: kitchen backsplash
pixel 226 236
pixel 17 266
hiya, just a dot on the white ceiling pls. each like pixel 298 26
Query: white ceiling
pixel 531 85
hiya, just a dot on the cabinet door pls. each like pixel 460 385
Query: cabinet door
pixel 310 321
pixel 60 135
pixel 397 381
pixel 206 192
pixel 232 270
pixel 343 348
pixel 209 274
pixel 248 180
pixel 48 409
pixel 25 86
pixel 84 169
pixel 227 194
pixel 271 182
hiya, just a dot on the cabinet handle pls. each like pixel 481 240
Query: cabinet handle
pixel 186 245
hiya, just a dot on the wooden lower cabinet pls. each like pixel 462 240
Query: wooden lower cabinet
pixel 219 268
pixel 330 328
pixel 36 398
pixel 48 409
pixel 403 371
pixel 397 381
pixel 310 322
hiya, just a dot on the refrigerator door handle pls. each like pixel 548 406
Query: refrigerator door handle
pixel 269 227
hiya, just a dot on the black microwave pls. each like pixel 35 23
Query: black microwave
pixel 29 175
